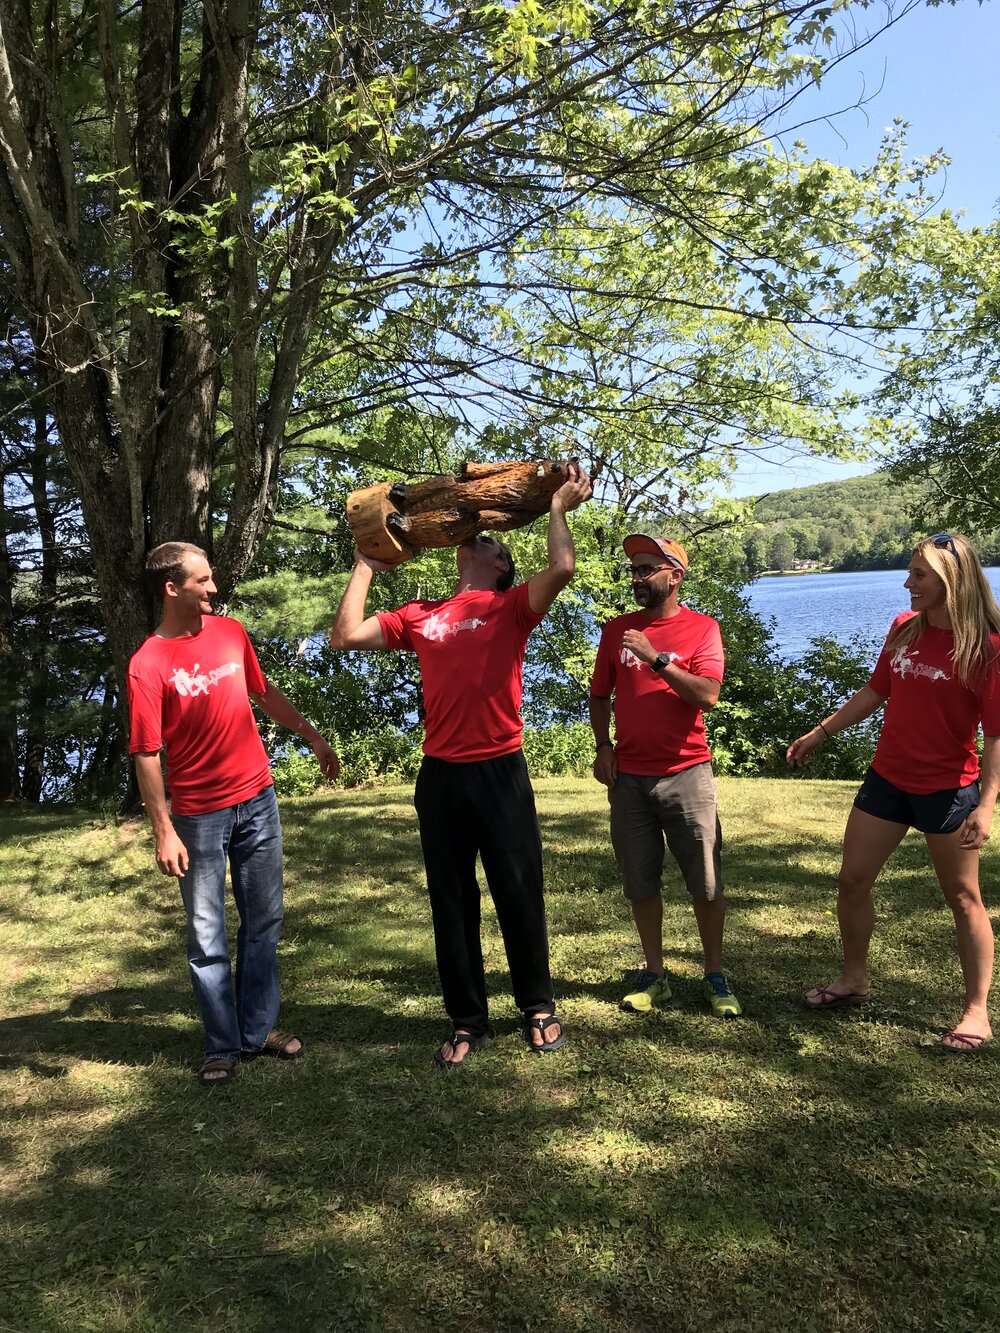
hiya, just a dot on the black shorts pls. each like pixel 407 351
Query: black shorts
pixel 930 812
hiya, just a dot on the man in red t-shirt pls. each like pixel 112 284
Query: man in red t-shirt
pixel 473 795
pixel 663 666
pixel 190 686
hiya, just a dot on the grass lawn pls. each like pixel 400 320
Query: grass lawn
pixel 790 1171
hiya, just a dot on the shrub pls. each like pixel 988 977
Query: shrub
pixel 386 753
pixel 554 751
pixel 383 754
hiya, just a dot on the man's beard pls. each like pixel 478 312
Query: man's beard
pixel 647 598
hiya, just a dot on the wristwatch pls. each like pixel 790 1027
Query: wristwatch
pixel 661 660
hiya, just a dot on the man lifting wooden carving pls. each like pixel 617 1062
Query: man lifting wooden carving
pixel 472 793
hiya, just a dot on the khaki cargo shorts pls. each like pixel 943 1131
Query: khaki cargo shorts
pixel 650 814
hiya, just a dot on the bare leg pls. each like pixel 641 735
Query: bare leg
pixel 648 914
pixel 868 844
pixel 957 869
pixel 711 918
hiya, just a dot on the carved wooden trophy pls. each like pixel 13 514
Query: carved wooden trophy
pixel 391 522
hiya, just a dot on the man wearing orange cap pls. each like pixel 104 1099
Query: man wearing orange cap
pixel 663 666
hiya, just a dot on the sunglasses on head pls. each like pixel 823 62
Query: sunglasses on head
pixel 944 540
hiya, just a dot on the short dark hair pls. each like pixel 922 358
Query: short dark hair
pixel 506 579
pixel 165 564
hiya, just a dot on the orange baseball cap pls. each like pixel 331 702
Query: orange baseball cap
pixel 640 544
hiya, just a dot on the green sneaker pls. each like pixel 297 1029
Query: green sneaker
pixel 652 989
pixel 716 991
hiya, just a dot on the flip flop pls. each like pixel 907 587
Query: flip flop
pixel 458 1037
pixel 971 1042
pixel 540 1022
pixel 828 998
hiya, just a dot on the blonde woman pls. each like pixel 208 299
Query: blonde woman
pixel 940 673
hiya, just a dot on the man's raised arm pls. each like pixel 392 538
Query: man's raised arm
pixel 350 628
pixel 545 586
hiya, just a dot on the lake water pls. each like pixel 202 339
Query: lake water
pixel 842 605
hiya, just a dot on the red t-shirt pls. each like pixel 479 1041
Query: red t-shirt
pixel 189 697
pixel 656 732
pixel 928 737
pixel 471 653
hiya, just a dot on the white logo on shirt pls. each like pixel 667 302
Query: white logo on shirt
pixel 197 681
pixel 437 626
pixel 904 663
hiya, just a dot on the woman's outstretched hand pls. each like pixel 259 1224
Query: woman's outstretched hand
pixel 802 750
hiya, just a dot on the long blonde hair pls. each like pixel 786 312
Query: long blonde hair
pixel 969 601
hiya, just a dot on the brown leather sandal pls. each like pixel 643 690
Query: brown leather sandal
pixel 216 1070
pixel 277 1046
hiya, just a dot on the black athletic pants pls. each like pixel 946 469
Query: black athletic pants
pixel 486 807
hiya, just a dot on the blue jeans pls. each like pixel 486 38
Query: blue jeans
pixel 248 836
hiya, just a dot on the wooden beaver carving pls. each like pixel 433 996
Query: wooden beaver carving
pixel 391 522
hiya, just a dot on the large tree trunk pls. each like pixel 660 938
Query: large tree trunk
pixel 137 426
pixel 36 729
pixel 10 777
pixel 139 328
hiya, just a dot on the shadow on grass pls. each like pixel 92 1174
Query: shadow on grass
pixel 32 821
pixel 343 1191
pixel 795 1171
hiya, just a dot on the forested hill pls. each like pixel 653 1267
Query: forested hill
pixel 865 523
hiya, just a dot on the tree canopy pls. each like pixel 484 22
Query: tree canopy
pixel 251 257
pixel 941 377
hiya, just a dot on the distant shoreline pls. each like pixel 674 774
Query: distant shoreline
pixel 829 569
pixel 794 573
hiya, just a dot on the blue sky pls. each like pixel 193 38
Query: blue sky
pixel 936 69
